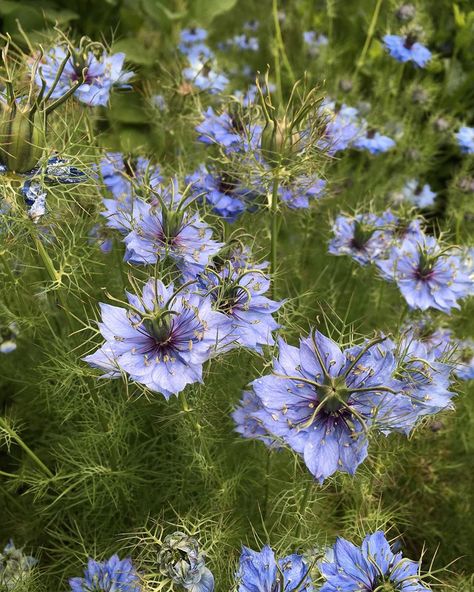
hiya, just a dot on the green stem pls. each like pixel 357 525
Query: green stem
pixel 302 507
pixel 280 49
pixel 370 34
pixel 25 448
pixel 266 494
pixel 274 232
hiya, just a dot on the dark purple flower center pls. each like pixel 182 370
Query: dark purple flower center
pixel 362 235
pixel 418 189
pixel 410 40
pixel 371 133
pixel 226 184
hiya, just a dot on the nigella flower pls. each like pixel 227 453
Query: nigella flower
pixel 314 42
pixel 260 571
pixel 427 275
pixel 245 42
pixel 419 195
pixel 162 340
pixel 321 401
pixel 202 72
pixel 374 142
pixel 301 191
pixel 100 72
pixel 171 232
pixel 193 35
pixel 113 575
pixel 465 362
pixel 181 560
pixel 373 567
pixel 220 191
pixel 246 422
pixel 465 138
pixel 8 336
pixel 364 237
pixel 239 295
pixel 342 126
pixel 15 567
pixel 228 130
pixel 407 49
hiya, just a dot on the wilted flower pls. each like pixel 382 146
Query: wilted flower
pixel 374 142
pixel 113 575
pixel 8 335
pixel 407 49
pixel 260 571
pixel 321 401
pixel 465 138
pixel 419 195
pixel 162 340
pixel 427 275
pixel 181 560
pixel 35 199
pixel 14 566
pixel 373 567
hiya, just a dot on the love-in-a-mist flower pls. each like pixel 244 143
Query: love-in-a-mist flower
pixel 314 41
pixel 247 424
pixel 407 49
pixel 221 191
pixel 228 130
pixel 239 294
pixel 322 401
pixel 417 194
pixel 300 192
pixel 15 567
pixel 465 138
pixel 428 275
pixel 203 73
pixel 89 63
pixel 372 567
pixel 113 575
pixel 374 142
pixel 171 231
pixel 364 237
pixel 342 126
pixel 181 560
pixel 260 571
pixel 162 340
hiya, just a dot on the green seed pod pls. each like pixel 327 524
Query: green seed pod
pixel 22 137
pixel 279 142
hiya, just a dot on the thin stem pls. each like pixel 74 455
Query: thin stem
pixel 266 494
pixel 4 425
pixel 280 43
pixel 302 507
pixel 274 232
pixel 277 52
pixel 370 34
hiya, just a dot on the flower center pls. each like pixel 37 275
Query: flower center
pixel 383 585
pixel 334 394
pixel 410 40
pixel 159 329
pixel 362 235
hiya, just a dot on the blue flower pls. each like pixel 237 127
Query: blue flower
pixel 373 567
pixel 113 575
pixel 364 237
pixel 465 138
pixel 239 295
pixel 171 231
pixel 298 193
pixel 193 35
pixel 259 571
pixel 101 74
pixel 342 126
pixel 14 567
pixel 374 142
pixel 8 335
pixel 419 195
pixel 228 131
pixel 35 199
pixel 427 275
pixel 321 401
pixel 314 42
pixel 407 49
pixel 247 423
pixel 202 72
pixel 220 191
pixel 464 369
pixel 162 340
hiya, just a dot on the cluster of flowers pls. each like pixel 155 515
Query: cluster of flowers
pixel 428 274
pixel 372 567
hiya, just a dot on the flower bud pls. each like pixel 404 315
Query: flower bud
pixel 279 142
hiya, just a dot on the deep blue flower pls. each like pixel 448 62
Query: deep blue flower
pixel 14 567
pixel 239 294
pixel 228 131
pixel 259 571
pixel 407 49
pixel 301 191
pixel 220 191
pixel 374 142
pixel 113 575
pixel 101 74
pixel 465 138
pixel 373 567
pixel 162 340
pixel 193 35
pixel 322 401
pixel 427 275
pixel 419 195
pixel 365 237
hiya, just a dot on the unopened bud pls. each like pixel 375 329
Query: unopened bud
pixel 22 137
pixel 279 142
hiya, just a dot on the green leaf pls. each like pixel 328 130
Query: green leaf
pixel 157 10
pixel 205 11
pixel 128 108
pixel 135 51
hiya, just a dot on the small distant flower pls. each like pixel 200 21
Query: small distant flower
pixel 35 199
pixel 300 192
pixel 244 42
pixel 239 294
pixel 465 138
pixel 406 12
pixel 113 575
pixel 202 73
pixel 162 341
pixel 101 73
pixel 373 567
pixel 342 126
pixel 363 237
pixel 8 337
pixel 374 142
pixel 322 401
pixel 260 571
pixel 419 195
pixel 181 560
pixel 193 35
pixel 407 49
pixel 252 25
pixel 14 567
pixel 427 275
pixel 159 102
pixel 220 191
pixel 314 42
pixel 465 363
